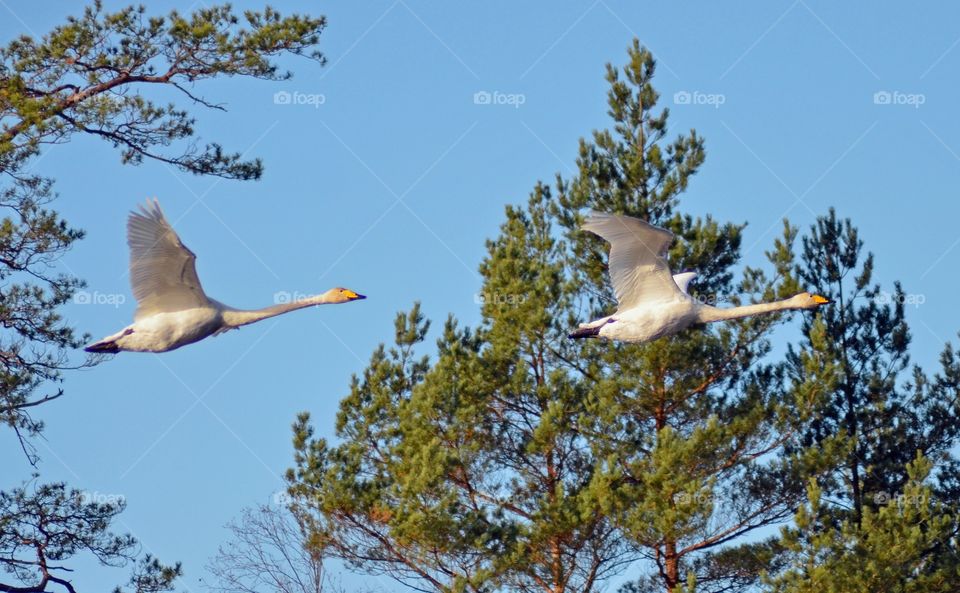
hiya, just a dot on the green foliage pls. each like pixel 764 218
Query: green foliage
pixel 35 337
pixel 77 79
pixel 880 518
pixel 698 425
pixel 83 77
pixel 150 576
pixel 519 459
pixel 881 419
pixel 907 544
pixel 41 526
pixel 467 474
pixel 87 76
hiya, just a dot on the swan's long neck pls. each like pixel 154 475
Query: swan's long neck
pixel 237 317
pixel 707 313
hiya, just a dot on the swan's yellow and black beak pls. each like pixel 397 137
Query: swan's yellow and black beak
pixel 821 300
pixel 352 296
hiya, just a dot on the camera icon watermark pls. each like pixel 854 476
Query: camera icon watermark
pixel 699 98
pixel 914 100
pixel 298 98
pixel 497 98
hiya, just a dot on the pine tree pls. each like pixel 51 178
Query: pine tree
pixel 87 77
pixel 697 427
pixel 908 544
pixel 882 411
pixel 43 525
pixel 519 459
pixel 885 517
pixel 469 474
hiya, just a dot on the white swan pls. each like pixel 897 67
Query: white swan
pixel 172 309
pixel 652 303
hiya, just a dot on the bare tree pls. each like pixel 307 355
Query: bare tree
pixel 267 554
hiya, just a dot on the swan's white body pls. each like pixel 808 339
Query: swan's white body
pixel 652 302
pixel 165 331
pixel 172 309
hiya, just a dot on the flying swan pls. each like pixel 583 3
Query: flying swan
pixel 172 309
pixel 652 302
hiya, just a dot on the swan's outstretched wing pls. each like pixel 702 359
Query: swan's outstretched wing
pixel 638 270
pixel 163 273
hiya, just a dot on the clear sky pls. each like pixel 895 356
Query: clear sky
pixel 389 182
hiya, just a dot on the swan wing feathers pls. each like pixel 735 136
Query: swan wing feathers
pixel 638 270
pixel 683 280
pixel 163 271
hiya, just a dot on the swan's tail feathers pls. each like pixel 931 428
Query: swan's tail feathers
pixel 585 332
pixel 103 347
pixel 109 344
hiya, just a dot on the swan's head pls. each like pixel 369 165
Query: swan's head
pixel 806 300
pixel 341 295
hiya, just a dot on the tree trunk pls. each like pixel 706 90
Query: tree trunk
pixel 671 567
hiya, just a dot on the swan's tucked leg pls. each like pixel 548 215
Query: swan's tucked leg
pixel 585 332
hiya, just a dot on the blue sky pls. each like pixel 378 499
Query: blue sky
pixel 392 179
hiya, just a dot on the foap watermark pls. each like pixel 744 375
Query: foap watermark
pixel 499 298
pixel 88 497
pixel 284 296
pixel 497 98
pixel 901 500
pixel 710 299
pixel 697 498
pixel 85 297
pixel 699 98
pixel 298 98
pixel 914 100
pixel 885 298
